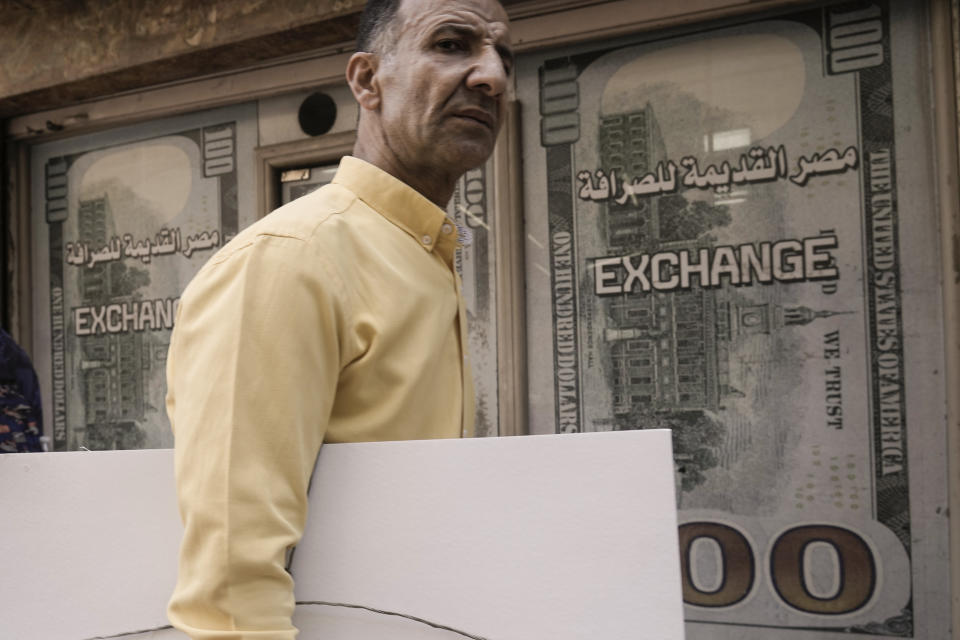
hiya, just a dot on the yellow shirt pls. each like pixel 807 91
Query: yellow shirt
pixel 337 318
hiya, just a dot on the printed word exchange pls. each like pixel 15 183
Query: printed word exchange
pixel 762 262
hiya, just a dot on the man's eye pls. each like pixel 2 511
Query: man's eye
pixel 450 45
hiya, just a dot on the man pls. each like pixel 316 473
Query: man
pixel 336 318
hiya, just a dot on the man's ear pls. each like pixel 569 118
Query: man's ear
pixel 362 78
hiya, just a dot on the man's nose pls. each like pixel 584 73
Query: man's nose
pixel 488 73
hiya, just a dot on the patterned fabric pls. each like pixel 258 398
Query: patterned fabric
pixel 21 420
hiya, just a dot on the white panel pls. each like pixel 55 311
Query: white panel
pixel 506 538
pixel 89 543
pixel 560 537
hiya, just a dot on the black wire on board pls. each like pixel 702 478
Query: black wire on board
pixel 435 625
pixel 394 613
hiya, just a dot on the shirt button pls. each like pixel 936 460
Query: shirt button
pixel 426 239
pixel 447 228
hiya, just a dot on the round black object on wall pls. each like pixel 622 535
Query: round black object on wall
pixel 317 114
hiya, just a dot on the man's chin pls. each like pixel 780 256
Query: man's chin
pixel 470 154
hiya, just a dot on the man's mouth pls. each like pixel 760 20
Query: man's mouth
pixel 477 115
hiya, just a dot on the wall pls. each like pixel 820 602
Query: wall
pixel 59 52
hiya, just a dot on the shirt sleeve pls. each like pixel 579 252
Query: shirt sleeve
pixel 251 373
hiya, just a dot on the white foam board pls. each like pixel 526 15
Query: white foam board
pixel 560 537
pixel 89 543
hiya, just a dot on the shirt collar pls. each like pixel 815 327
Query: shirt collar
pixel 399 203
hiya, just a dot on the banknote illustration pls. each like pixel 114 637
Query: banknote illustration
pixel 126 223
pixel 734 234
pixel 471 209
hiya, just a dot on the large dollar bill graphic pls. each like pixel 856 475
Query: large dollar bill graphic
pixel 470 207
pixel 122 222
pixel 734 233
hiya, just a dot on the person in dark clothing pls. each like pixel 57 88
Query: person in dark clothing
pixel 21 417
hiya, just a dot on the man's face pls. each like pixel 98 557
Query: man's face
pixel 443 84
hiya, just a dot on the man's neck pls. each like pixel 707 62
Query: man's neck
pixel 436 188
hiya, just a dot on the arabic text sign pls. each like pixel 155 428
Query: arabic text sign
pixel 757 166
